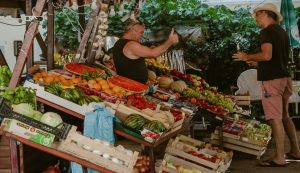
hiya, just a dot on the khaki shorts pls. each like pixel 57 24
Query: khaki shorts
pixel 275 98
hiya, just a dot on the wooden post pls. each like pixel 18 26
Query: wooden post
pixel 41 44
pixel 50 36
pixel 2 59
pixel 81 17
pixel 82 46
pixel 18 69
pixel 30 60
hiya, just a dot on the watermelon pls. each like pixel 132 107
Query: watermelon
pixel 135 121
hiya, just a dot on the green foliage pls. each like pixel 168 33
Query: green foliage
pixel 223 29
pixel 66 27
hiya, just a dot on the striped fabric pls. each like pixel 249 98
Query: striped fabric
pixel 289 22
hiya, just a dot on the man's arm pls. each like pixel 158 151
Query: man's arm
pixel 264 55
pixel 135 49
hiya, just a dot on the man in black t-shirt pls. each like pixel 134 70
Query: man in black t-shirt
pixel 272 61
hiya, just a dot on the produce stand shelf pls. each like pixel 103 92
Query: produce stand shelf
pixel 149 146
pixel 53 151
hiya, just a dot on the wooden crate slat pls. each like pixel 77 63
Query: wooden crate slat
pixel 177 152
pixel 184 163
pixel 241 149
pixel 74 143
pixel 238 142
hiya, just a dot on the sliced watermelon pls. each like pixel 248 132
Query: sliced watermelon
pixel 81 68
pixel 128 84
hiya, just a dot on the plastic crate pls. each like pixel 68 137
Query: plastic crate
pixel 7 112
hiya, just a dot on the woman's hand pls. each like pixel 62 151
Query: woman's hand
pixel 240 56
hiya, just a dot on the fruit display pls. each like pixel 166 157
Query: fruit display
pixel 210 98
pixel 127 84
pixel 5 75
pixel 256 131
pixel 161 96
pixel 232 126
pixel 99 85
pixel 80 69
pixel 45 78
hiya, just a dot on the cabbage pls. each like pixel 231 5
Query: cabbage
pixel 37 115
pixel 24 109
pixel 51 119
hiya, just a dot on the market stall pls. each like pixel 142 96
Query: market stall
pixel 149 114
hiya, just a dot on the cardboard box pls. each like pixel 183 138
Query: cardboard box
pixel 28 132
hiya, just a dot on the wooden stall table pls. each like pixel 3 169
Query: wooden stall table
pixel 149 146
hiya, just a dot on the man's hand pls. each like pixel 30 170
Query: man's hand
pixel 240 56
pixel 173 37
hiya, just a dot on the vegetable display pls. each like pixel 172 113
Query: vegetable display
pixel 20 95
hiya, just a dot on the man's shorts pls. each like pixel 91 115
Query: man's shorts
pixel 275 98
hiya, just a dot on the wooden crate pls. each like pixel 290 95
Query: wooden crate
pixel 74 145
pixel 242 100
pixel 184 163
pixel 177 149
pixel 238 145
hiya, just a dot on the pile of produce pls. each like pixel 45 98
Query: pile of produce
pixel 142 164
pixel 72 94
pixel 49 118
pixel 20 95
pixel 247 130
pixel 257 131
pixel 140 102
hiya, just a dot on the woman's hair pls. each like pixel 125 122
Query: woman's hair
pixel 131 23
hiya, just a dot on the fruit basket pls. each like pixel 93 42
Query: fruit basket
pixel 6 112
pixel 79 69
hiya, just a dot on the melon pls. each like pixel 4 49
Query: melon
pixel 178 86
pixel 152 75
pixel 165 82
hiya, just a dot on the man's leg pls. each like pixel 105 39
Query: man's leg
pixel 288 124
pixel 290 130
pixel 278 136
